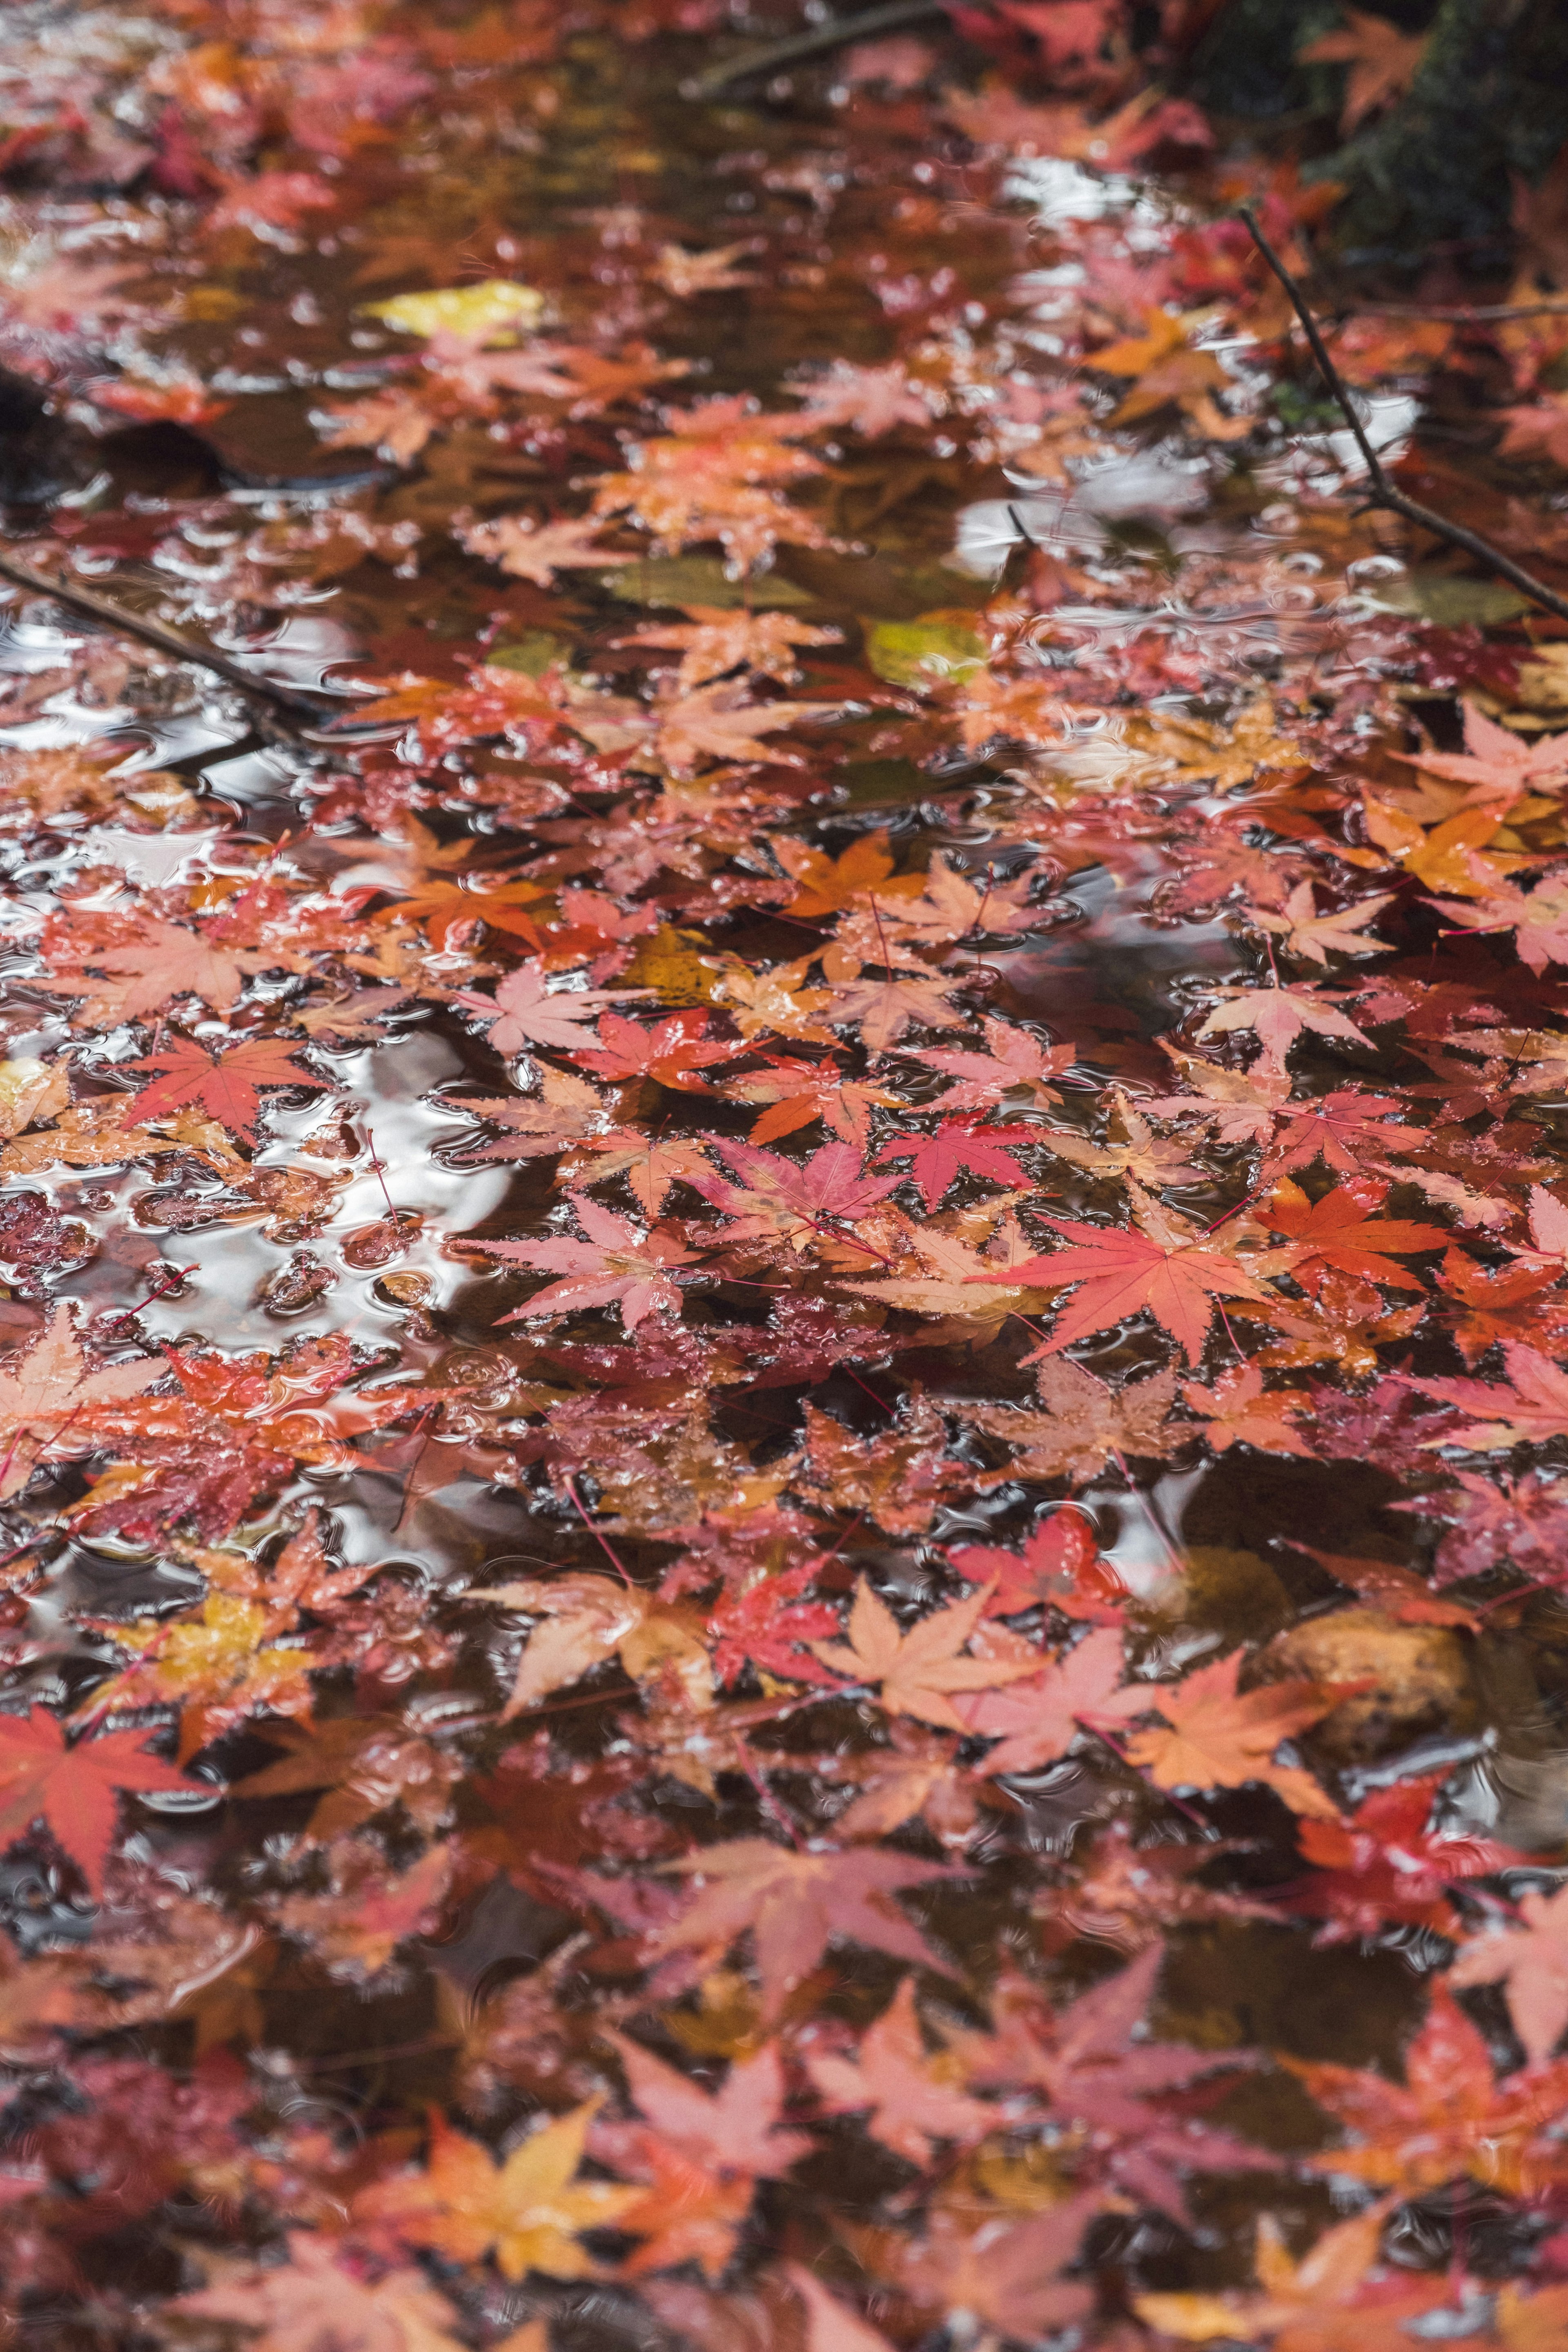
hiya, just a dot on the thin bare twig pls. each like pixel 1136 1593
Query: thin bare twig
pixel 291 708
pixel 1380 491
pixel 1463 313
pixel 831 35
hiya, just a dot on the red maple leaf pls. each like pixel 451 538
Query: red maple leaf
pixel 1384 1869
pixel 49 1396
pixel 766 1624
pixel 671 1051
pixel 1522 1303
pixel 72 1789
pixel 1163 1264
pixel 937 1158
pixel 1521 1520
pixel 224 1084
pixel 797 1092
pixel 790 1199
pixel 1399 1593
pixel 1342 1130
pixel 617 1261
pixel 1059 1566
pixel 1451 2117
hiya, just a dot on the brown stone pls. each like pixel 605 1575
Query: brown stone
pixel 1419 1675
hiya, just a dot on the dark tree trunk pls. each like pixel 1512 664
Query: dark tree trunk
pixel 1488 107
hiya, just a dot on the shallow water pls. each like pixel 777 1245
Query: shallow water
pixel 440 1640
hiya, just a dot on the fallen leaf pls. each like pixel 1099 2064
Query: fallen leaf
pixel 1223 1739
pixel 1383 61
pixel 528 2209
pixel 793 1903
pixel 72 1789
pixel 918 1671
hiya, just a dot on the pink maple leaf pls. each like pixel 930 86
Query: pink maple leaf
pixel 792 1199
pixel 1502 768
pixel 1036 1721
pixel 530 1013
pixel 1528 1408
pixel 617 1261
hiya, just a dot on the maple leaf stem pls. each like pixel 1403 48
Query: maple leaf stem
pixel 1223 1220
pixel 366 2057
pixel 1465 313
pixel 881 936
pixel 1383 492
pixel 871 1393
pixel 11 1450
pixel 843 1538
pixel 1146 1505
pixel 603 1541
pixel 379 1165
pixel 765 1796
pixel 10 1457
pixel 426 1414
pixel 831 1233
pixel 1167 1796
pixel 176 1274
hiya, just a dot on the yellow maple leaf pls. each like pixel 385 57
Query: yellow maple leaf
pixel 490 313
pixel 528 2209
pixel 212 1665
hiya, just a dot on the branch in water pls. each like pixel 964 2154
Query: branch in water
pixel 831 35
pixel 1381 491
pixel 286 706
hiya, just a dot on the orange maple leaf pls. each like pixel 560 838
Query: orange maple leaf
pixel 920 1669
pixel 1337 1232
pixel 826 886
pixel 1382 63
pixel 1450 2119
pixel 1222 1739
pixel 528 2210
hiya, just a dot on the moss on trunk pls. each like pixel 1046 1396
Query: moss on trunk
pixel 1489 102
